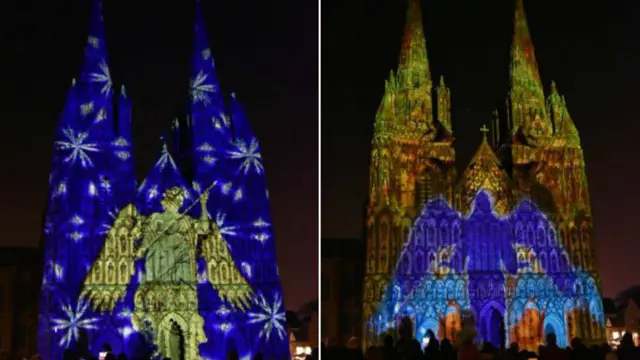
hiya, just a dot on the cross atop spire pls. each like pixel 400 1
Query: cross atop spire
pixel 484 131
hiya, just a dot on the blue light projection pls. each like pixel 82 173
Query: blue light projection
pixel 118 268
pixel 511 272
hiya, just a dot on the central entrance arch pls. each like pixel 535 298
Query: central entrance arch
pixel 492 324
pixel 176 342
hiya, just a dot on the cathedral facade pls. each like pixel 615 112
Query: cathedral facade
pixel 509 240
pixel 181 265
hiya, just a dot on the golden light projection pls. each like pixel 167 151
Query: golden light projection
pixel 168 289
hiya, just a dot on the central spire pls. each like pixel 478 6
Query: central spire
pixel 413 64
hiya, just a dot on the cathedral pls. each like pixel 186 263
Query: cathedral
pixel 182 265
pixel 508 242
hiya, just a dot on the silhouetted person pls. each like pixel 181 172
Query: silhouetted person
pixel 233 355
pixel 388 351
pixel 468 350
pixel 551 351
pixel 488 351
pixel 432 350
pixel 258 357
pixel 513 352
pixel 578 350
pixel 354 354
pixel 407 346
pixel 446 350
pixel 627 349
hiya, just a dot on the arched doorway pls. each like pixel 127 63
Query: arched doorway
pixel 231 346
pixel 492 324
pixel 495 332
pixel 175 347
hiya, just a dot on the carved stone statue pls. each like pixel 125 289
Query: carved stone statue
pixel 166 298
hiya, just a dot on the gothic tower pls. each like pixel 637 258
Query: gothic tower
pixel 91 177
pixel 548 162
pixel 411 158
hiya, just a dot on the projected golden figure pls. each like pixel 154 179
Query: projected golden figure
pixel 166 301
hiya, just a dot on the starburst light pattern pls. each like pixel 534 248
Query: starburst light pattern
pixel 104 76
pixel 74 321
pixel 271 316
pixel 224 228
pixel 200 88
pixel 76 142
pixel 250 155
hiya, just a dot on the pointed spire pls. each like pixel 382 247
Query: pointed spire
pixel 522 47
pixel 205 87
pixel 175 137
pixel 69 116
pixel 495 132
pixel 443 106
pixel 124 116
pixel 241 126
pixel 163 176
pixel 485 172
pixel 209 123
pixel 95 69
pixel 565 128
pixel 413 64
pixel 527 96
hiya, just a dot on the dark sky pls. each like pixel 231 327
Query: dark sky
pixel 267 52
pixel 591 50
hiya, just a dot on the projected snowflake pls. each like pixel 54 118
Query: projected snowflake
pixel 103 77
pixel 249 155
pixel 201 89
pixel 271 316
pixel 79 147
pixel 73 321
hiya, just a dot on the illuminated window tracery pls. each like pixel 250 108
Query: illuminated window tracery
pixel 537 286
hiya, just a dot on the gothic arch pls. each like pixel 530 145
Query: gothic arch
pixel 456 234
pixel 552 237
pixel 419 262
pixel 544 264
pixel 406 264
pixel 444 234
pixel 541 238
pixel 418 236
pixel 554 264
pixel 553 324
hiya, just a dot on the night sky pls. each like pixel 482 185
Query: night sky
pixel 591 50
pixel 267 52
